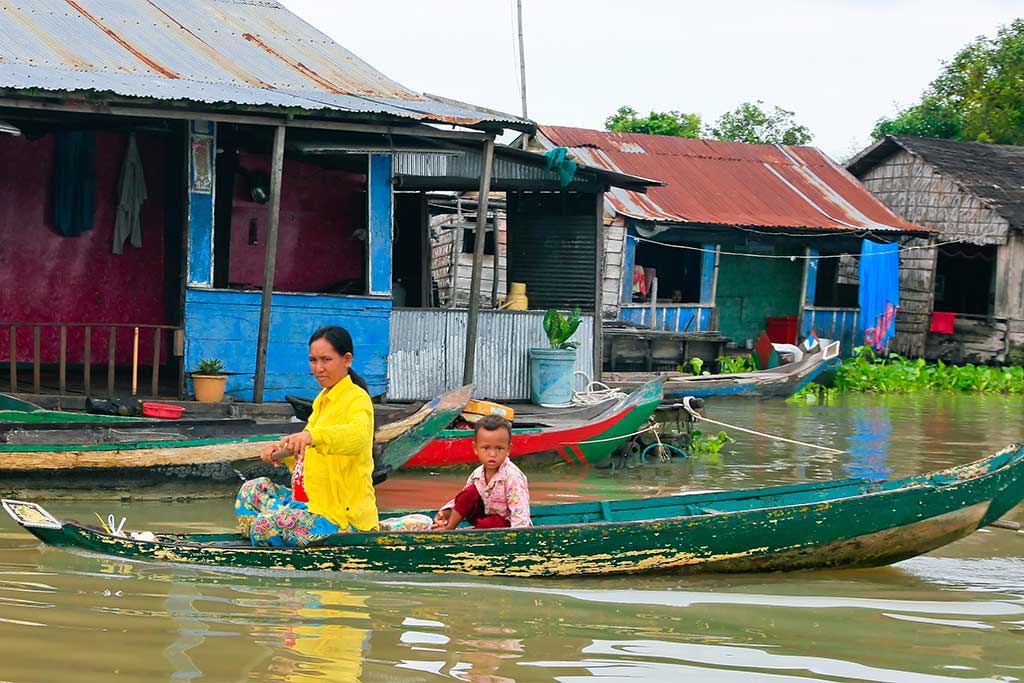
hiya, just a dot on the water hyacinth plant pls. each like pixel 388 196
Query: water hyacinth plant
pixel 893 373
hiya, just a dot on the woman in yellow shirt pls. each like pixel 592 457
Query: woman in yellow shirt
pixel 331 460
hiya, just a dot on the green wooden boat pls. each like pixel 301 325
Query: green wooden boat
pixel 850 523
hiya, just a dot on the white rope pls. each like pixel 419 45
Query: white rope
pixel 594 392
pixel 613 438
pixel 698 416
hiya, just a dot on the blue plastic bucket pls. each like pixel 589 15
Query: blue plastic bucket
pixel 551 372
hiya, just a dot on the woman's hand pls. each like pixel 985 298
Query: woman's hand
pixel 269 451
pixel 296 443
pixel 292 444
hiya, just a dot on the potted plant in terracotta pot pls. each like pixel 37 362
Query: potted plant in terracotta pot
pixel 551 370
pixel 209 379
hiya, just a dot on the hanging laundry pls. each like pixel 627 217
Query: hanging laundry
pixel 132 194
pixel 879 292
pixel 639 281
pixel 74 182
pixel 943 322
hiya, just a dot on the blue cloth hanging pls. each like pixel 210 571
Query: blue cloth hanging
pixel 74 182
pixel 879 292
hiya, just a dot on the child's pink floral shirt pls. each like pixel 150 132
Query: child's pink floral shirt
pixel 507 494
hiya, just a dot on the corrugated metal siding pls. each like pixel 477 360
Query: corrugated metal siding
pixel 552 247
pixel 730 183
pixel 428 348
pixel 469 164
pixel 250 52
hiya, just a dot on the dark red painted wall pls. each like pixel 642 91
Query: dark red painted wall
pixel 46 277
pixel 320 210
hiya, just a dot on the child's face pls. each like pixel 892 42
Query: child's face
pixel 492 447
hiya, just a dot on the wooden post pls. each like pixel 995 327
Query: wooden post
pixel 111 359
pixel 87 361
pixel 426 255
pixel 478 262
pixel 12 333
pixel 599 289
pixel 36 369
pixel 135 362
pixel 269 264
pixel 63 358
pixel 654 303
pixel 496 261
pixel 157 334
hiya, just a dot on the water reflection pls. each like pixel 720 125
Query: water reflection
pixel 954 615
pixel 869 444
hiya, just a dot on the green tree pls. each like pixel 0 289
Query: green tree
pixel 979 95
pixel 749 122
pixel 628 120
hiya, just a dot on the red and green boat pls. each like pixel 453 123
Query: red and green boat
pixel 580 435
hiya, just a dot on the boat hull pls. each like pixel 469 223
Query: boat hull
pixel 826 525
pixel 589 442
pixel 49 460
pixel 780 382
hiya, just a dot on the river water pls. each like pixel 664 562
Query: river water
pixel 956 614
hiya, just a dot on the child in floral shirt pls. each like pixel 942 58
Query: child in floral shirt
pixel 496 494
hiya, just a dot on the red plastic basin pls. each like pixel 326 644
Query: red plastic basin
pixel 164 410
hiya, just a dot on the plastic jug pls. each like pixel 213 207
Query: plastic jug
pixel 516 299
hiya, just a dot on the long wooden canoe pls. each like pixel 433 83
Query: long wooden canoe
pixel 850 523
pixel 579 435
pixel 94 456
pixel 782 381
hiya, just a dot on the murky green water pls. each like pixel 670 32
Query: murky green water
pixel 954 615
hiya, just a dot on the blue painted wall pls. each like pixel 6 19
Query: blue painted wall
pixel 811 277
pixel 201 146
pixel 224 324
pixel 381 213
pixel 708 274
pixel 670 318
pixel 833 323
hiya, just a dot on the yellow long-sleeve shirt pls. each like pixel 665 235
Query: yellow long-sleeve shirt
pixel 339 463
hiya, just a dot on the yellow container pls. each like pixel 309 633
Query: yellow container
pixel 516 299
pixel 474 410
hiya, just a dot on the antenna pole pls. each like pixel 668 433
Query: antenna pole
pixel 522 65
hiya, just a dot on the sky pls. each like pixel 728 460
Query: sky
pixel 839 65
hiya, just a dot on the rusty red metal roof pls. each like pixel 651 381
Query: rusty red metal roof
pixel 729 183
pixel 253 53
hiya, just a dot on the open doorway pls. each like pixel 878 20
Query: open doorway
pixel 410 281
pixel 964 278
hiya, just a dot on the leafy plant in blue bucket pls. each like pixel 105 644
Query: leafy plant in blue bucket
pixel 559 328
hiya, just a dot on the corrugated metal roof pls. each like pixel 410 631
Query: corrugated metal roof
pixel 243 52
pixel 730 183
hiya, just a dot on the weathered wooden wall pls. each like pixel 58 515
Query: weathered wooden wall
pixel 975 339
pixel 916 191
pixel 453 274
pixel 614 253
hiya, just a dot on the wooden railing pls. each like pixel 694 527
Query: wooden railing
pixel 158 333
